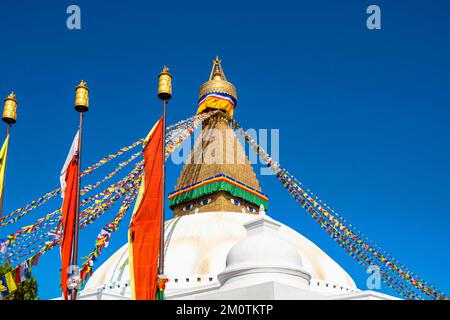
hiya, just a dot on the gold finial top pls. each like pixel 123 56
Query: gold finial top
pixel 83 84
pixel 217 82
pixel 217 71
pixel 165 70
pixel 12 96
pixel 218 85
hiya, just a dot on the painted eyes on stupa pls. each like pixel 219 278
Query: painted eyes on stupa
pixel 235 202
pixel 189 207
pixel 204 202
pixel 251 210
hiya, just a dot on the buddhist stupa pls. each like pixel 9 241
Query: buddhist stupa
pixel 221 244
pixel 217 176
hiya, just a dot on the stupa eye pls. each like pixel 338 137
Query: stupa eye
pixel 235 202
pixel 250 209
pixel 188 207
pixel 204 202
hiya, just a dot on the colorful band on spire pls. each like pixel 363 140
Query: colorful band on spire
pixel 217 100
pixel 220 182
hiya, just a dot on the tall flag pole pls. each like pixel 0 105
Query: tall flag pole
pixel 70 190
pixel 82 106
pixel 145 233
pixel 165 94
pixel 9 117
pixel 69 186
pixel 144 229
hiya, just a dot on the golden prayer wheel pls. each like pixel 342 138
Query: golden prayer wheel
pixel 165 85
pixel 82 97
pixel 10 109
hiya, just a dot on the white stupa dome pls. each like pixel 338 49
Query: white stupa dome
pixel 196 249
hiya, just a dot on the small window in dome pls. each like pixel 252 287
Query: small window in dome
pixel 188 207
pixel 204 202
pixel 235 202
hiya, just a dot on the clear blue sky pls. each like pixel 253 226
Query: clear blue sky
pixel 363 115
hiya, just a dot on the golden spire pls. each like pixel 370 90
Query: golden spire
pixel 217 83
pixel 230 164
pixel 217 71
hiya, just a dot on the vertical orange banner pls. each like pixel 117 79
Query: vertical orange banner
pixel 144 231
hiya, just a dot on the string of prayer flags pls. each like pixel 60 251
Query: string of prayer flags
pixel 25 247
pixel 343 233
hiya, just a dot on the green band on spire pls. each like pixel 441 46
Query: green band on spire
pixel 214 187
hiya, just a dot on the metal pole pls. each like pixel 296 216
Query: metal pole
pixel 161 240
pixel 8 126
pixel 77 215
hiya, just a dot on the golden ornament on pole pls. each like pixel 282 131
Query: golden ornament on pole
pixel 10 109
pixel 165 85
pixel 82 97
pixel 9 117
pixel 81 105
pixel 165 94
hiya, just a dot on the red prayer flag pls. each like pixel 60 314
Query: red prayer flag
pixel 17 274
pixel 69 187
pixel 144 230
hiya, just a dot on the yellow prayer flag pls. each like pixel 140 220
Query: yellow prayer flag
pixel 10 283
pixel 3 154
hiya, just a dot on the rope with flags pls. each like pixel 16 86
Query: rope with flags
pixel 39 224
pixel 176 130
pixel 24 247
pixel 83 191
pixel 381 252
pixel 107 192
pixel 21 212
pixel 393 273
pixel 362 235
pixel 105 200
pixel 26 209
pixel 104 236
pixel 28 244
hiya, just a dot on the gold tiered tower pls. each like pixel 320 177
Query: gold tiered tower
pixel 217 175
pixel 217 85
